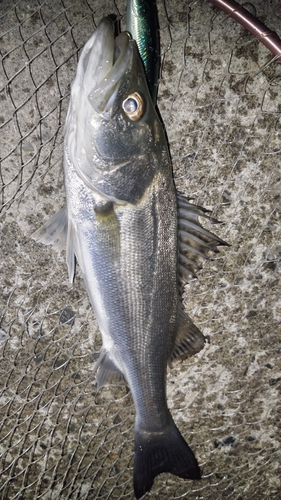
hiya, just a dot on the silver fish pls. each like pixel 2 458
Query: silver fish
pixel 135 240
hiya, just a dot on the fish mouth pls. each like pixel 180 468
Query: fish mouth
pixel 104 64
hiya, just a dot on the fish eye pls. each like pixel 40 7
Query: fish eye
pixel 133 106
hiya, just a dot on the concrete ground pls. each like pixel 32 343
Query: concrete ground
pixel 220 100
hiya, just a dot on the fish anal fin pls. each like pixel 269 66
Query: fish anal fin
pixel 108 373
pixel 162 452
pixel 54 231
pixel 189 340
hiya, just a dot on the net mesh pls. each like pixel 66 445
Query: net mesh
pixel 220 100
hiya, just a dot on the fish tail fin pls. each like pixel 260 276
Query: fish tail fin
pixel 162 452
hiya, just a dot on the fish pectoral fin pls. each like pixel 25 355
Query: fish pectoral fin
pixel 54 231
pixel 160 452
pixel 195 242
pixel 189 340
pixel 108 373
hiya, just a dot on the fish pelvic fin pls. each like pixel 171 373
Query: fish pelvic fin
pixel 108 373
pixel 71 251
pixel 59 233
pixel 195 242
pixel 189 340
pixel 54 231
pixel 162 452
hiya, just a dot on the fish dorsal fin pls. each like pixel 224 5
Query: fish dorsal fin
pixel 108 373
pixel 60 234
pixel 195 242
pixel 189 340
pixel 54 231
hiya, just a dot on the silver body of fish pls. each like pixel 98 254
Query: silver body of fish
pixel 135 240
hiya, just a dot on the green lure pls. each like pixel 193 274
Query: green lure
pixel 142 24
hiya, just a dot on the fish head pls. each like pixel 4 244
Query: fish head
pixel 112 130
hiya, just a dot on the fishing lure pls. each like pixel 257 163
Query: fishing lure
pixel 142 24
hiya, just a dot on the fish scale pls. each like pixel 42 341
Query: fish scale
pixel 143 265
